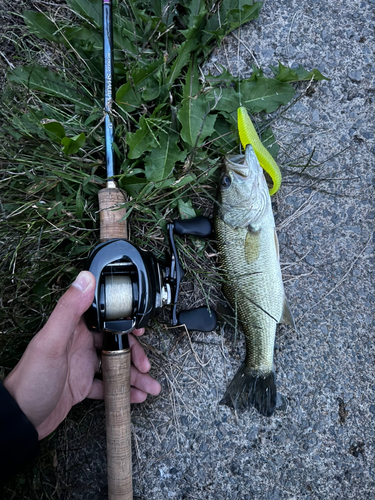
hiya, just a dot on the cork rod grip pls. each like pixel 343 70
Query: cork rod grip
pixel 111 225
pixel 116 381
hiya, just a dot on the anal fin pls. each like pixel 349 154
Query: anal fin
pixel 287 317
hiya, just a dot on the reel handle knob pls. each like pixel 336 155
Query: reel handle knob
pixel 197 226
pixel 200 319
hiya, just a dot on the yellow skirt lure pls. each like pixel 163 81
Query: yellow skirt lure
pixel 248 135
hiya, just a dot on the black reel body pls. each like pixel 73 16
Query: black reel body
pixel 132 285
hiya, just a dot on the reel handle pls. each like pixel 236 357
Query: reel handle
pixel 197 226
pixel 200 319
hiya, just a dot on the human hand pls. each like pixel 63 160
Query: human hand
pixel 57 369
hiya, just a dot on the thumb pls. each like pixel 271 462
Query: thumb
pixel 69 309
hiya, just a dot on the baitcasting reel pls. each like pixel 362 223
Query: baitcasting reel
pixel 131 284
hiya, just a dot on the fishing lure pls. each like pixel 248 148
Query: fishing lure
pixel 248 135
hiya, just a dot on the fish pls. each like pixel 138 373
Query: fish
pixel 248 135
pixel 249 260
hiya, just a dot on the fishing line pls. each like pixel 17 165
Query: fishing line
pixel 238 61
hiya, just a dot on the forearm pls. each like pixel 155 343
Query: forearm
pixel 18 437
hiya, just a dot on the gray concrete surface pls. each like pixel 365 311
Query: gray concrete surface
pixel 319 444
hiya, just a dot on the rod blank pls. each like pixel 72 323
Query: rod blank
pixel 108 86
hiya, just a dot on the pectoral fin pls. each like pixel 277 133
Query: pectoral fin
pixel 252 245
pixel 287 317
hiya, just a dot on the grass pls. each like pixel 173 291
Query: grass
pixel 49 222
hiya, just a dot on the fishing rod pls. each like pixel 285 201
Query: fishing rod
pixel 116 357
pixel 131 286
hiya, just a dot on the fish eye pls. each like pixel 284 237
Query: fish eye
pixel 225 181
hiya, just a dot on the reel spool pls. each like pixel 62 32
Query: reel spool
pixel 118 296
pixel 132 285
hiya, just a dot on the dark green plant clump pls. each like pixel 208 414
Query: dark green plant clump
pixel 173 124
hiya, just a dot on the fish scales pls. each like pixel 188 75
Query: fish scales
pixel 249 259
pixel 254 289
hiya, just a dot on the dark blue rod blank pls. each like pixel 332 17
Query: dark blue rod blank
pixel 108 87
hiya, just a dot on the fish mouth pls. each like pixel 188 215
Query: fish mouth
pixel 244 165
pixel 237 165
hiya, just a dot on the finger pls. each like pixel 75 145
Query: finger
pixel 68 311
pixel 138 332
pixel 144 382
pixel 96 391
pixel 98 339
pixel 137 396
pixel 139 358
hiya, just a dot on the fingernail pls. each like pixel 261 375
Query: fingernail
pixel 82 281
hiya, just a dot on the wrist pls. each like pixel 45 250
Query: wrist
pixel 11 386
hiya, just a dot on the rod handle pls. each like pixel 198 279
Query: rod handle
pixel 116 382
pixel 111 225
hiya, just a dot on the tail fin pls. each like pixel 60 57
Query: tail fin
pixel 250 387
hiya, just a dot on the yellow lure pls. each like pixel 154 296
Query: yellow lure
pixel 248 135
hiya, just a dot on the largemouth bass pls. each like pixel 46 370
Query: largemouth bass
pixel 249 258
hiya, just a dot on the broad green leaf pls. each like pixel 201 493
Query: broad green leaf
pixel 84 37
pixel 231 15
pixel 152 89
pixel 265 94
pixel 183 57
pixel 226 99
pixel 126 27
pixel 88 9
pixel 140 141
pixel 185 50
pixel 164 9
pixel 185 209
pixel 94 117
pixel 224 137
pixel 41 292
pixel 135 12
pixel 242 11
pixel 41 26
pixel 133 185
pixel 198 11
pixel 285 74
pixel 54 129
pixel 121 41
pixel 73 144
pixel 160 163
pixel 49 82
pixel 225 78
pixel 128 96
pixel 257 73
pixel 197 123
